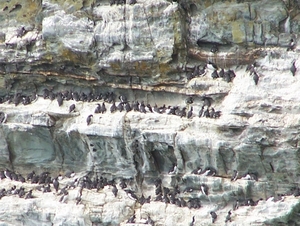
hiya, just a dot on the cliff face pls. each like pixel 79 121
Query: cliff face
pixel 148 51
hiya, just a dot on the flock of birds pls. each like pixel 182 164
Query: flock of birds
pixel 228 75
pixel 110 98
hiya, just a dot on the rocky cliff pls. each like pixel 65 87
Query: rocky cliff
pixel 221 78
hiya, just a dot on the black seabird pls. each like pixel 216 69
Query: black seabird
pixel 120 107
pixel 29 195
pixel 142 107
pixel 182 113
pixel 3 117
pixel 204 189
pixel 193 221
pixel 30 175
pixel 293 68
pixel 75 96
pixel 113 108
pixel 149 108
pixel 206 113
pixel 135 106
pixel 123 99
pixel 255 77
pixel 56 184
pixel 197 171
pixel 201 111
pixel 213 216
pixel 131 194
pixel 212 113
pixel 189 100
pixel 221 73
pixel 64 198
pixel 131 219
pixel 214 48
pixel 127 107
pixel 234 175
pixel 7 174
pixel 190 113
pixel 89 119
pixel 98 109
pixel 132 2
pixel 212 66
pixel 209 171
pixel 71 108
pixel 115 190
pixel 203 71
pixel 59 99
pixel 292 45
pixel 103 108
pixel 149 221
pixel 228 217
pixel 215 74
pixel 17 98
pixel 173 169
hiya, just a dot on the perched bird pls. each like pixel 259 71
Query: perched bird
pixel 197 171
pixel 214 48
pixel 3 117
pixel 190 113
pixel 213 216
pixel 212 66
pixel 255 78
pixel 193 221
pixel 55 184
pixel 71 108
pixel 59 98
pixel 293 68
pixel 173 169
pixel 228 217
pixel 113 107
pixel 215 74
pixel 89 119
pixel 204 189
pixel 292 45
pixel 64 198
pixel 131 219
pixel 131 194
pixel 128 107
pixel 221 73
pixel 115 190
pixel 120 107
pixel 234 175
pixel 103 108
pixel 201 111
pixel 29 195
pixel 123 184
pixel 98 109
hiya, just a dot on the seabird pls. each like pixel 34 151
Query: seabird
pixel 142 107
pixel 215 74
pixel 3 117
pixel 212 113
pixel 204 189
pixel 149 221
pixel 197 171
pixel 131 219
pixel 89 119
pixel 75 96
pixel 190 113
pixel 173 170
pixel 29 195
pixel 293 68
pixel 131 194
pixel 193 221
pixel 135 105
pixel 123 99
pixel 213 216
pixel 64 198
pixel 132 2
pixel 201 111
pixel 209 171
pixel 182 113
pixel 59 98
pixel 120 107
pixel 115 190
pixel 69 174
pixel 71 108
pixel 214 48
pixel 206 113
pixel 212 66
pixel 148 108
pixel 189 100
pixel 123 184
pixel 292 45
pixel 98 109
pixel 234 175
pixel 113 107
pixel 7 174
pixel 228 217
pixel 222 73
pixel 103 108
pixel 128 107
pixel 203 71
pixel 255 78
pixel 17 98
pixel 55 184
